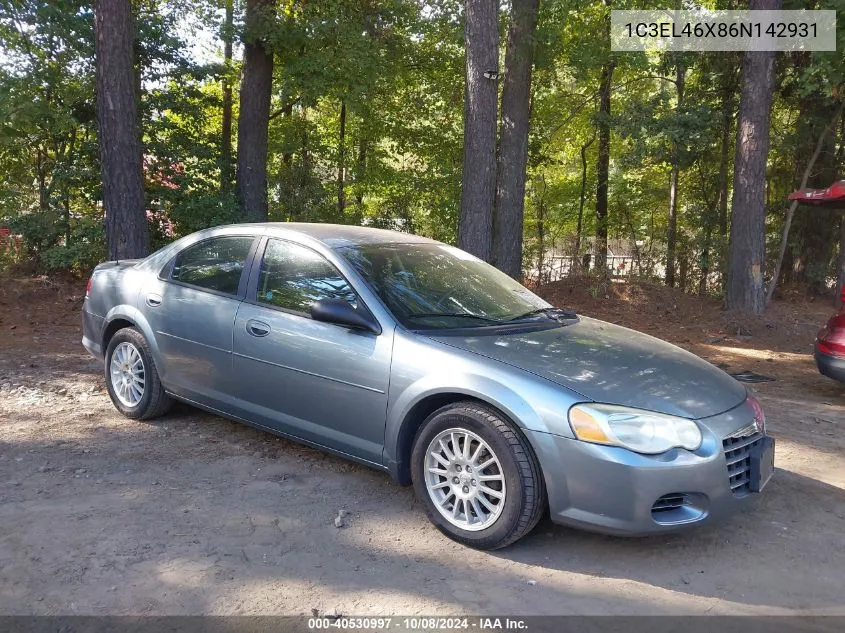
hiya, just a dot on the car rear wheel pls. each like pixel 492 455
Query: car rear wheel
pixel 477 476
pixel 131 377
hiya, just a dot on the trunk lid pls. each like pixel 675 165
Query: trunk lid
pixel 122 263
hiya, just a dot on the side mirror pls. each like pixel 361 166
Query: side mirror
pixel 343 313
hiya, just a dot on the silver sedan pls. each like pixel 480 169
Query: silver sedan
pixel 418 359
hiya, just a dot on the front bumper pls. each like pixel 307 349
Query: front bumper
pixel 612 490
pixel 831 366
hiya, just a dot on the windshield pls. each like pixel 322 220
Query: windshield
pixel 435 286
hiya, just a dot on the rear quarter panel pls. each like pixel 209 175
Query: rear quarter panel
pixel 114 295
pixel 111 285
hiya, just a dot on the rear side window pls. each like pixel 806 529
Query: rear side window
pixel 214 264
pixel 294 277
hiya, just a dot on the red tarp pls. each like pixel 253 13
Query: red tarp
pixel 833 195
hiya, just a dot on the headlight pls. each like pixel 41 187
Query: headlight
pixel 634 429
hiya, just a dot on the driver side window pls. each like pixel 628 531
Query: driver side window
pixel 294 277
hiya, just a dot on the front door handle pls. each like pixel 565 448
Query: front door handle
pixel 153 300
pixel 257 328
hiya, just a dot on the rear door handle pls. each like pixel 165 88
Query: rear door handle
pixel 257 328
pixel 153 300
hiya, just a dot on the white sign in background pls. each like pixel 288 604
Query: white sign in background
pixel 709 30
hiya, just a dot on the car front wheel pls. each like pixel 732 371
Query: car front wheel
pixel 131 377
pixel 477 476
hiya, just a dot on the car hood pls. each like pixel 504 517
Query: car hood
pixel 612 364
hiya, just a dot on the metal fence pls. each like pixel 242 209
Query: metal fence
pixel 557 267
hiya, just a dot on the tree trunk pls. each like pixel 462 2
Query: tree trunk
pixel 513 138
pixel 41 170
pixel 226 132
pixel 341 162
pixel 70 158
pixel 672 226
pixel 120 147
pixel 705 262
pixel 724 157
pixel 303 172
pixel 361 175
pixel 672 230
pixel 478 186
pixel 541 234
pixel 729 88
pixel 254 116
pixel 305 154
pixel 287 156
pixel 583 199
pixel 708 223
pixel 683 265
pixel 744 290
pixel 603 168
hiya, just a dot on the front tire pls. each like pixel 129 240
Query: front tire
pixel 477 476
pixel 131 377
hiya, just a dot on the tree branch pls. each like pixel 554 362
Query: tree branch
pixel 284 108
pixel 819 144
pixel 589 99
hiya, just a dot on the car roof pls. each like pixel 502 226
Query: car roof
pixel 342 235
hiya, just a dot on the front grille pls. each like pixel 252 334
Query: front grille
pixel 738 459
pixel 667 503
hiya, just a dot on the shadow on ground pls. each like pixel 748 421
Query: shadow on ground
pixel 195 514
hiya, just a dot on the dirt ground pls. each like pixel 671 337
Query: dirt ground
pixel 193 514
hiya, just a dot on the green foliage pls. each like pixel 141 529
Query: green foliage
pixel 40 232
pixel 84 250
pixel 53 244
pixel 396 67
pixel 195 212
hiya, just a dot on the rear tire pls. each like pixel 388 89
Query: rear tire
pixel 477 476
pixel 131 377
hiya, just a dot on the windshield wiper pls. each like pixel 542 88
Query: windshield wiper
pixel 466 315
pixel 553 313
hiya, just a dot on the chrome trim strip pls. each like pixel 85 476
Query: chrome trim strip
pixel 750 429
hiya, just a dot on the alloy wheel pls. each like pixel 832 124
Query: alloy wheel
pixel 465 480
pixel 127 374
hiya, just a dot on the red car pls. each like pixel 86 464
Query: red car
pixel 830 345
